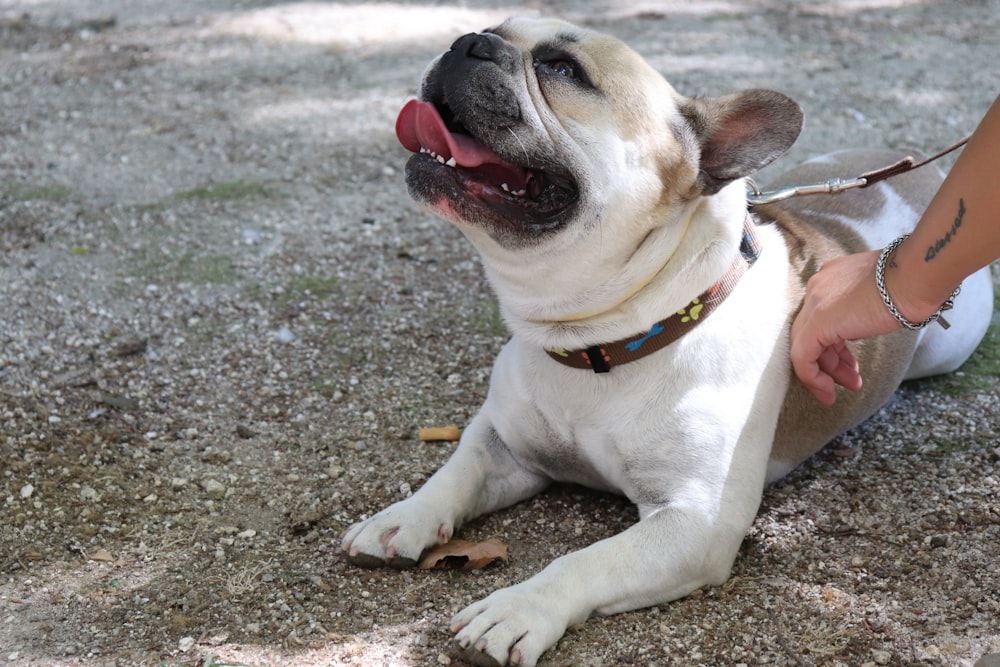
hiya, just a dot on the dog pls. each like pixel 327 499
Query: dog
pixel 649 312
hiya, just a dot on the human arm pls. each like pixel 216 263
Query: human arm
pixel 958 234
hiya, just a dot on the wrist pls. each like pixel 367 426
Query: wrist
pixel 912 300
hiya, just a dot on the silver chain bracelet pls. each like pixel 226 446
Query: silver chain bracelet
pixel 880 284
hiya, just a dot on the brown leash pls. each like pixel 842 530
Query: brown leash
pixel 836 185
pixel 601 358
pixel 907 164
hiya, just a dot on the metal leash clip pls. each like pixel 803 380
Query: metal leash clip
pixel 833 186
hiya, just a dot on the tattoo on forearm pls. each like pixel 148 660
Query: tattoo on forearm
pixel 933 250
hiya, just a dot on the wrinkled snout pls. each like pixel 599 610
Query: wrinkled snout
pixel 486 47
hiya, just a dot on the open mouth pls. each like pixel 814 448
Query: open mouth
pixel 536 196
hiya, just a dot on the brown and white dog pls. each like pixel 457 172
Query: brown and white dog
pixel 650 314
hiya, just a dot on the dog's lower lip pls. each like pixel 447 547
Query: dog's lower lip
pixel 535 185
pixel 542 194
pixel 431 130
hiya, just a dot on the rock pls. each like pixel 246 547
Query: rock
pixel 102 556
pixel 881 657
pixel 989 660
pixel 214 488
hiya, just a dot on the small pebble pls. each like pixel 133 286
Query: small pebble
pixel 881 657
pixel 214 488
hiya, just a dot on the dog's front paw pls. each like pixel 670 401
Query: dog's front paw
pixel 513 626
pixel 396 536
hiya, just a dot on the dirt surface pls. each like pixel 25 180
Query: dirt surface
pixel 222 322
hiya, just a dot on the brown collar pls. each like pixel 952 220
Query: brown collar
pixel 601 358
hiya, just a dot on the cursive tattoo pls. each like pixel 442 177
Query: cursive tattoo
pixel 933 250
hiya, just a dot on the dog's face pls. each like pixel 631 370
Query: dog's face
pixel 532 115
pixel 549 144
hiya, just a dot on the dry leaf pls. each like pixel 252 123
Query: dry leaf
pixel 102 555
pixel 460 554
pixel 435 433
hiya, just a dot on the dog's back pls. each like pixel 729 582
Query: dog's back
pixel 819 227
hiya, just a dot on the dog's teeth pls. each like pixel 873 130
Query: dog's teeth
pixel 505 187
pixel 519 193
pixel 440 158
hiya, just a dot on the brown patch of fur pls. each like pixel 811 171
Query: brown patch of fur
pixel 814 235
pixel 804 425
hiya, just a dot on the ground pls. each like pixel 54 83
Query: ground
pixel 222 322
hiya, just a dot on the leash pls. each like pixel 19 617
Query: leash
pixel 601 358
pixel 837 185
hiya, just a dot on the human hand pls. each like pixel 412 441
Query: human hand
pixel 841 304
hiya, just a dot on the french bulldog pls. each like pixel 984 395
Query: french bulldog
pixel 649 313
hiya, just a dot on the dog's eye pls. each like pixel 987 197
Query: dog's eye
pixel 563 68
pixel 559 67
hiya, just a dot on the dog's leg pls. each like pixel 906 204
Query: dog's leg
pixel 481 476
pixel 667 555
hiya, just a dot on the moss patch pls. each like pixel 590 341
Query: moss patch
pixel 220 192
pixel 188 267
pixel 27 192
pixel 485 319
pixel 981 371
pixel 312 285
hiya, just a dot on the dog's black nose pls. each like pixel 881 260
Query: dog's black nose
pixel 486 46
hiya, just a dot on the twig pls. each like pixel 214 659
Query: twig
pixel 781 639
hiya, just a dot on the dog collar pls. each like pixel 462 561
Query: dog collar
pixel 601 358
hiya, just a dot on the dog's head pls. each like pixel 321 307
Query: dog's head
pixel 538 137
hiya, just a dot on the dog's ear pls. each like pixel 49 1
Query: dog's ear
pixel 741 133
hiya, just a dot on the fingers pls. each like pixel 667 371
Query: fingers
pixel 839 363
pixel 820 368
pixel 834 309
pixel 807 354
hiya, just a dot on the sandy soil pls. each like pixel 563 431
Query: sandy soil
pixel 222 321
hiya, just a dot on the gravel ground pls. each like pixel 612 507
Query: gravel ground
pixel 222 322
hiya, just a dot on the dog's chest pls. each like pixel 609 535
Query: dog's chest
pixel 581 455
pixel 600 432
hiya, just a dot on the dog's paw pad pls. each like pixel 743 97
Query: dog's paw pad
pixel 478 658
pixel 401 563
pixel 365 560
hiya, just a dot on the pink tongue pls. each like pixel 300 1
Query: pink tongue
pixel 420 126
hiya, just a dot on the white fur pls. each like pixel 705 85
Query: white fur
pixel 685 433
